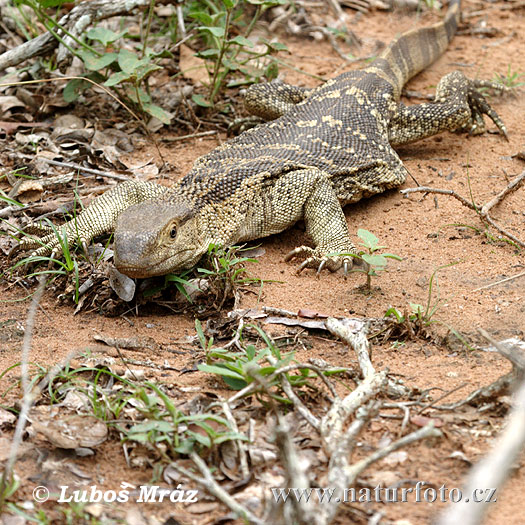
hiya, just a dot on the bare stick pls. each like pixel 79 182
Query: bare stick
pixel 190 136
pixel 483 212
pixel 491 472
pixel 517 276
pixel 305 511
pixel 298 404
pixel 513 185
pixel 514 353
pixel 78 167
pixel 427 431
pixel 29 396
pixel 214 488
pixel 357 340
pixel 359 343
pixel 452 193
pixel 332 424
pixel 243 458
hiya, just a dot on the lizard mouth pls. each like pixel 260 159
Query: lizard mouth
pixel 172 264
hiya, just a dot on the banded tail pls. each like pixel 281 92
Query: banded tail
pixel 415 50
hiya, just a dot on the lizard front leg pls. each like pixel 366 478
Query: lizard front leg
pixel 98 218
pixel 458 105
pixel 310 195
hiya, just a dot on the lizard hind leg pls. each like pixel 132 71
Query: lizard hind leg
pixel 458 106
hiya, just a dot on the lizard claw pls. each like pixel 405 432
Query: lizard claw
pixel 479 107
pixel 317 260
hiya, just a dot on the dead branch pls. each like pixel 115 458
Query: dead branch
pixel 506 280
pixel 208 482
pixel 76 21
pixel 482 211
pixel 513 349
pixel 359 342
pixel 491 472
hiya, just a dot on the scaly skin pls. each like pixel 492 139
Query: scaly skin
pixel 323 148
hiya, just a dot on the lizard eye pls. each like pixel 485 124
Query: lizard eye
pixel 173 232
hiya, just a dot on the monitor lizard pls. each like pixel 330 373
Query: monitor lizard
pixel 319 150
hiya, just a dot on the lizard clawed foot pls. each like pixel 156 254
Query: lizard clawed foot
pixel 479 107
pixel 316 260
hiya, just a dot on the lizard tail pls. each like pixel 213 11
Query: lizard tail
pixel 415 50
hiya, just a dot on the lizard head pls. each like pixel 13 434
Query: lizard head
pixel 156 238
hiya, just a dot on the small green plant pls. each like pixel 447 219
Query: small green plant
pixel 239 368
pixel 374 262
pixel 512 79
pixel 225 54
pixel 223 271
pixel 121 69
pixel 67 264
pixel 422 316
pixel 170 431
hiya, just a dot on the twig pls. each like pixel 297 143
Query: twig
pixel 190 136
pixel 332 424
pixel 356 340
pixel 243 459
pixel 298 404
pixel 483 211
pixel 427 431
pixel 452 193
pixel 514 354
pixel 305 511
pixel 214 488
pixel 491 472
pixel 359 342
pixel 78 167
pixel 506 280
pixel 29 396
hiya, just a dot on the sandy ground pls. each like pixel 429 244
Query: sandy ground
pixel 428 232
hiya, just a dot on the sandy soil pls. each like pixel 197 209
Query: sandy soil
pixel 428 232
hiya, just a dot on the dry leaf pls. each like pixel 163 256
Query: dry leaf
pixel 72 431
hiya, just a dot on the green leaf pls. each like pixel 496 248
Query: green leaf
pixel 417 308
pixel 272 71
pixel 368 238
pixel 143 71
pixel 242 41
pixel 207 53
pixel 201 16
pixel 267 3
pixel 377 261
pixel 157 112
pixel 117 78
pixel 201 101
pixel 215 31
pixel 229 4
pixel 396 313
pixel 220 370
pixel 392 256
pixel 148 426
pixel 274 46
pixel 235 384
pixel 73 89
pixel 94 62
pixel 128 61
pixel 51 3
pixel 103 35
